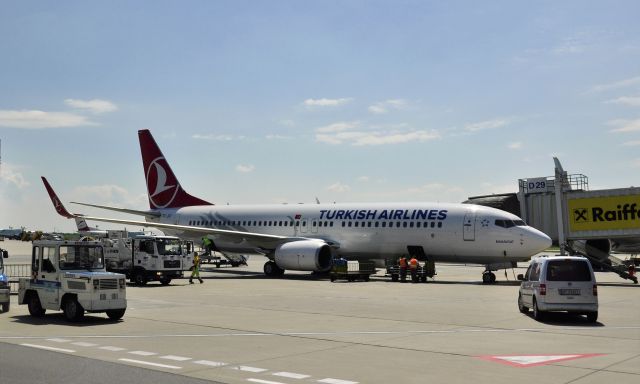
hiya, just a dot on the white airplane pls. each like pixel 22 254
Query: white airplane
pixel 308 237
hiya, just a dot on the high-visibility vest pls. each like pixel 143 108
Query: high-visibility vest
pixel 413 263
pixel 403 262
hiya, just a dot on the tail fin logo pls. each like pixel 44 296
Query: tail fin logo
pixel 162 186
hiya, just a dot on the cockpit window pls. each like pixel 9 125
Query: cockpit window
pixel 510 223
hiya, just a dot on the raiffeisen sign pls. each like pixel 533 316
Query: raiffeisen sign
pixel 615 212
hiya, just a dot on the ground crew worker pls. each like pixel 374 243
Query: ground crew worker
pixel 402 263
pixel 207 244
pixel 413 266
pixel 196 269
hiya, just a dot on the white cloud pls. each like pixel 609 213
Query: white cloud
pixel 217 137
pixel 33 119
pixel 109 194
pixel 633 101
pixel 11 175
pixel 631 143
pixel 245 168
pixel 338 187
pixel 94 106
pixel 384 106
pixel 363 179
pixel 624 125
pixel 338 127
pixel 515 145
pixel 361 138
pixel 277 137
pixel 484 125
pixel 327 102
pixel 617 85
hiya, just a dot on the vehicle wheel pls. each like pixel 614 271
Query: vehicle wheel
pixel 485 278
pixel 592 317
pixel 35 308
pixel 5 307
pixel 366 278
pixel 270 268
pixel 333 278
pixel 492 278
pixel 73 311
pixel 165 280
pixel 139 279
pixel 116 314
pixel 537 313
pixel 394 277
pixel 423 279
pixel 521 306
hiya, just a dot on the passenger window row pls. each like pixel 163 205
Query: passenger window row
pixel 286 223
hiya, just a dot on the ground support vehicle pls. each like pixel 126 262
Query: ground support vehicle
pixel 352 270
pixel 71 276
pixel 5 288
pixel 424 270
pixel 559 283
pixel 146 258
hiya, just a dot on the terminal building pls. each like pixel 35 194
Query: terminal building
pixel 593 223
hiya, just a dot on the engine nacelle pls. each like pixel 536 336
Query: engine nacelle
pixel 595 248
pixel 304 255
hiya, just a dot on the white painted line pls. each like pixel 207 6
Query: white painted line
pixel 113 349
pixel 83 344
pixel 175 358
pixel 210 363
pixel 150 363
pixel 264 381
pixel 291 375
pixel 49 348
pixel 142 353
pixel 56 340
pixel 248 369
pixel 336 381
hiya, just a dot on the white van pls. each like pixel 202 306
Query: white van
pixel 559 283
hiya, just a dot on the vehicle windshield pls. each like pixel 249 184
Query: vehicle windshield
pixel 73 257
pixel 568 270
pixel 169 247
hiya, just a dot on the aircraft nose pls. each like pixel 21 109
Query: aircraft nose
pixel 538 241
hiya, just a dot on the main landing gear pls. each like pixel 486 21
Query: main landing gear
pixel 271 269
pixel 488 277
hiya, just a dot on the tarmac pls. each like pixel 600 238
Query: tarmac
pixel 241 327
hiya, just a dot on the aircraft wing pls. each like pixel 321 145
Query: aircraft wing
pixel 257 240
pixel 149 214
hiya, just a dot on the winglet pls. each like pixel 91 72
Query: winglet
pixel 163 188
pixel 57 204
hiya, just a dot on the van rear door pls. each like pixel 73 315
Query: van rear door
pixel 569 281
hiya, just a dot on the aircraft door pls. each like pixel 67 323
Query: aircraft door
pixel 304 225
pixel 314 225
pixel 469 226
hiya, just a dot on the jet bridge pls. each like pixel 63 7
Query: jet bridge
pixel 580 220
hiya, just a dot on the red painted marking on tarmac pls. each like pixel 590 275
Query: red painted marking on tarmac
pixel 526 361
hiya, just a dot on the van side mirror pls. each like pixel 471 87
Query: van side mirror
pixel 520 277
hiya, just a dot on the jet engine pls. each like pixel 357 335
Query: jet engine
pixel 304 255
pixel 594 248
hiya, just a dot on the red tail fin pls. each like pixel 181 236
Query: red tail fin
pixel 163 188
pixel 57 204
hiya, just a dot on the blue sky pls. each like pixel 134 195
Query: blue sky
pixel 285 101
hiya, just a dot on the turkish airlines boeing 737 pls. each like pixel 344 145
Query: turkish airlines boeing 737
pixel 308 237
